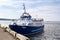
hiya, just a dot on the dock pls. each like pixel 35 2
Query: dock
pixel 7 34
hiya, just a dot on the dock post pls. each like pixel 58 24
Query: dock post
pixel 0 25
pixel 5 29
pixel 15 35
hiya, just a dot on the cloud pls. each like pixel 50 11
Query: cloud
pixel 47 9
pixel 47 12
pixel 3 1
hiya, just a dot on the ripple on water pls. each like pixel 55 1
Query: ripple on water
pixel 51 32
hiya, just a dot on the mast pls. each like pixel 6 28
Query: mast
pixel 25 15
pixel 24 8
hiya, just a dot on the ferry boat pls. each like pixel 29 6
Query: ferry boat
pixel 27 25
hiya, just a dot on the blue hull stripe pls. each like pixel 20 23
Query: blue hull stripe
pixel 26 29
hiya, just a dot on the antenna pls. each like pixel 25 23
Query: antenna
pixel 24 8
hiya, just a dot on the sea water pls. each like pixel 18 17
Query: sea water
pixel 51 31
pixel 5 23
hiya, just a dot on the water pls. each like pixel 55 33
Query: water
pixel 5 23
pixel 51 31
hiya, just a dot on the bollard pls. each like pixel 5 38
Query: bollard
pixel 5 29
pixel 15 35
pixel 0 25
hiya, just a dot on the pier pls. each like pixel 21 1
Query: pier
pixel 7 34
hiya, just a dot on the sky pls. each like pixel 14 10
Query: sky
pixel 49 10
